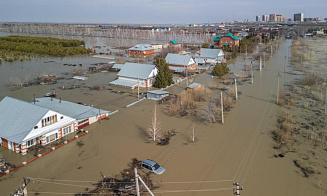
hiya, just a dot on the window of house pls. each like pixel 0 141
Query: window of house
pixel 30 143
pixel 67 130
pixel 83 121
pixel 231 42
pixel 52 137
pixel 48 139
pixel 49 120
pixel 222 41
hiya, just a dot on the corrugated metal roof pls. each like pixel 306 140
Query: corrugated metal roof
pixel 174 42
pixel 199 60
pixel 232 36
pixel 142 47
pixel 209 53
pixel 118 66
pixel 69 109
pixel 193 85
pixel 134 70
pixel 177 59
pixel 18 118
pixel 158 92
pixel 125 83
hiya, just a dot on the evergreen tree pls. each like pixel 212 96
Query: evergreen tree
pixel 164 77
pixel 220 69
pixel 205 45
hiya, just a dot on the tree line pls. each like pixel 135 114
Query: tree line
pixel 24 47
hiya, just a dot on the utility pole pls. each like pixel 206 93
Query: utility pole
pixel 236 95
pixel 246 51
pixel 139 178
pixel 278 76
pixel 260 63
pixel 138 88
pixel 251 73
pixel 271 50
pixel 326 101
pixel 193 135
pixel 22 189
pixel 137 182
pixel 238 188
pixel 222 108
pixel 264 59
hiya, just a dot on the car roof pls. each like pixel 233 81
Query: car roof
pixel 150 162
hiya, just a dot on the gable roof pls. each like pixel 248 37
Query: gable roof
pixel 209 53
pixel 174 42
pixel 70 109
pixel 232 36
pixel 178 59
pixel 193 85
pixel 142 47
pixel 216 39
pixel 134 70
pixel 18 118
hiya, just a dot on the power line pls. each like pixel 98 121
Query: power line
pixel 189 182
pixel 196 190
pixel 58 183
pixel 196 182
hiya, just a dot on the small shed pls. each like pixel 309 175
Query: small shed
pixel 157 94
pixel 192 87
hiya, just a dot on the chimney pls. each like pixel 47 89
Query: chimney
pixel 200 52
pixel 34 99
pixel 60 100
pixel 51 98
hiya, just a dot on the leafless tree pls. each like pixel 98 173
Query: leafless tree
pixel 155 131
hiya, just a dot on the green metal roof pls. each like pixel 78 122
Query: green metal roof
pixel 216 39
pixel 174 42
pixel 227 44
pixel 232 36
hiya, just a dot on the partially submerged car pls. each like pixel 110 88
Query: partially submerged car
pixel 152 166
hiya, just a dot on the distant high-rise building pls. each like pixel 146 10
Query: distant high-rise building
pixel 258 18
pixel 279 18
pixel 298 17
pixel 265 18
pixel 272 18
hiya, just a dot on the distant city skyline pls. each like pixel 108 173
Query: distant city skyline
pixel 153 11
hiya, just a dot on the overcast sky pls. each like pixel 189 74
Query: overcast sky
pixel 153 11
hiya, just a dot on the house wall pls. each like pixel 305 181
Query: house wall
pixel 142 82
pixel 4 142
pixel 156 97
pixel 137 52
pixel 191 66
pixel 228 40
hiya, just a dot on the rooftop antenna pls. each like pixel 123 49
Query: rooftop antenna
pixel 34 98
pixel 60 100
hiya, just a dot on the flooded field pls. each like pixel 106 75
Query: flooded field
pixel 27 71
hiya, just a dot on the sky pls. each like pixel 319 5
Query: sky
pixel 153 11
